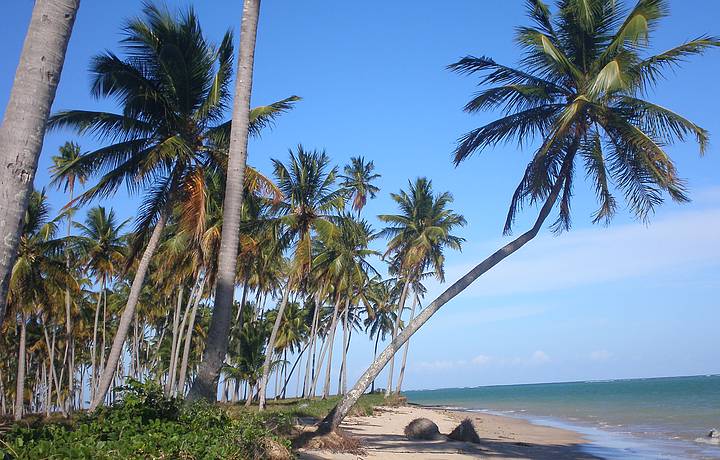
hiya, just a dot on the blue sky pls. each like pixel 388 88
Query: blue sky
pixel 598 302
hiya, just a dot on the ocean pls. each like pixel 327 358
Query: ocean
pixel 638 419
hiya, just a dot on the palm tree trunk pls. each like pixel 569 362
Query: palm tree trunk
pixel 128 312
pixel 377 339
pixel 347 349
pixel 313 341
pixel 69 340
pixel 188 337
pixel 104 343
pixel 292 369
pixel 172 365
pixel 271 345
pixel 338 413
pixel 205 385
pixel 20 379
pixel 342 385
pixel 320 359
pixel 396 327
pixel 51 365
pixel 23 127
pixel 405 351
pixel 93 352
pixel 331 340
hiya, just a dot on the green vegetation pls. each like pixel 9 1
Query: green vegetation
pixel 144 424
pixel 147 425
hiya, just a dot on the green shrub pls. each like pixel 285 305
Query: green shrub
pixel 145 425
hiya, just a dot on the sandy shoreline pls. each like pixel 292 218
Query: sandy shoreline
pixel 382 437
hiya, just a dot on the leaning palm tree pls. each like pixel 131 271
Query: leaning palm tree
pixel 418 236
pixel 23 126
pixel 581 89
pixel 173 90
pixel 358 180
pixel 216 348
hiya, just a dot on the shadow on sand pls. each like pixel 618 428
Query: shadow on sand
pixel 399 444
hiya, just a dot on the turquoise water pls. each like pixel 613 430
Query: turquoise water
pixel 638 418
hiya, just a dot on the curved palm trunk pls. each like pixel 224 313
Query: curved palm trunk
pixel 338 413
pixel 396 327
pixel 271 347
pixel 292 369
pixel 23 127
pixel 20 379
pixel 205 385
pixel 127 314
pixel 401 375
pixel 188 339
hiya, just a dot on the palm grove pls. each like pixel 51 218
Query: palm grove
pixel 93 301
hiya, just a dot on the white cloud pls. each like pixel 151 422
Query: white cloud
pixel 481 360
pixel 600 355
pixel 536 358
pixel 437 365
pixel 599 255
pixel 539 357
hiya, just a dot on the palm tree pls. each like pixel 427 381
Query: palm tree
pixel 382 316
pixel 64 174
pixel 358 181
pixel 215 350
pixel 169 132
pixel 342 259
pixel 310 201
pixel 102 247
pixel 581 92
pixel 38 269
pixel 418 237
pixel 23 127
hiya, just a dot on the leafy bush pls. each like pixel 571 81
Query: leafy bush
pixel 145 425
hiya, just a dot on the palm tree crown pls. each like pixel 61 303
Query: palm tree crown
pixel 581 87
pixel 358 180
pixel 173 88
pixel 419 234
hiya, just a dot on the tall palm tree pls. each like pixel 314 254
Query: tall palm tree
pixel 418 237
pixel 215 350
pixel 581 90
pixel 342 258
pixel 23 126
pixel 101 246
pixel 64 174
pixel 358 180
pixel 170 129
pixel 310 202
